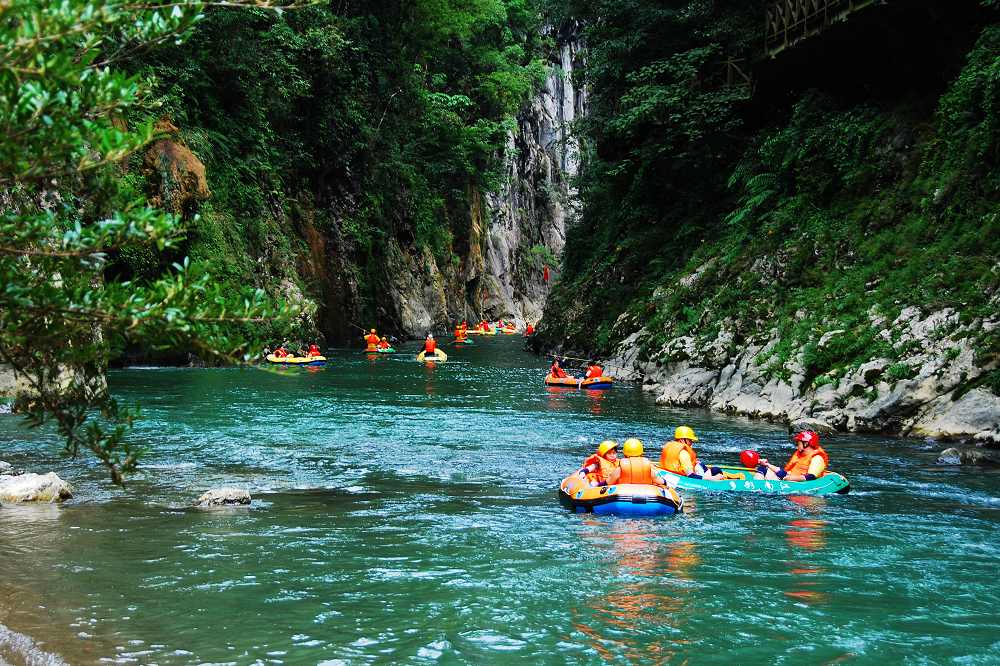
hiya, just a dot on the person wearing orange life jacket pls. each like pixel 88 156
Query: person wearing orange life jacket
pixel 460 334
pixel 809 461
pixel 314 350
pixel 383 343
pixel 594 371
pixel 599 467
pixel 529 330
pixel 281 352
pixel 556 370
pixel 678 456
pixel 372 341
pixel 430 345
pixel 634 467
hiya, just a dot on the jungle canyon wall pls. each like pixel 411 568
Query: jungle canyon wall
pixel 822 253
pixel 352 238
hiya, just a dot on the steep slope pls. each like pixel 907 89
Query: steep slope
pixel 826 250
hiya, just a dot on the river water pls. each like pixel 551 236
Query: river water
pixel 408 513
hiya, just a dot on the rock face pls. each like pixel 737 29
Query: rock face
pixel 224 497
pixel 928 391
pixel 514 232
pixel 34 488
pixel 177 175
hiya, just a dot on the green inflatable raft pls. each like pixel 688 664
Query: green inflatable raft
pixel 741 481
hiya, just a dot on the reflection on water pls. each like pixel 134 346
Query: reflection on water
pixel 806 538
pixel 646 583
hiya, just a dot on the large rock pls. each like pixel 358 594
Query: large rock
pixel 969 455
pixel 224 497
pixel 976 413
pixel 34 488
pixel 816 425
pixel 176 173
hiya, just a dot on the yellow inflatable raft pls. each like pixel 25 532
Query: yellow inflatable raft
pixel 438 355
pixel 296 360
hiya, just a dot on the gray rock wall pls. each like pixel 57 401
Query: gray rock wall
pixel 500 276
pixel 936 401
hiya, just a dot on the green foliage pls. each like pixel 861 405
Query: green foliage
pixel 391 112
pixel 64 209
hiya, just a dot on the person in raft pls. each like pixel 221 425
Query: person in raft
pixel 599 467
pixel 459 334
pixel 634 467
pixel 529 330
pixel 281 352
pixel 383 343
pixel 371 340
pixel 314 350
pixel 594 371
pixel 430 346
pixel 808 462
pixel 679 457
pixel 556 370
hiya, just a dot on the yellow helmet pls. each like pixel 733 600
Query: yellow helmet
pixel 684 432
pixel 632 447
pixel 605 446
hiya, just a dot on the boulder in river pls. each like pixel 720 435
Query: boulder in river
pixel 34 488
pixel 969 455
pixel 816 425
pixel 224 497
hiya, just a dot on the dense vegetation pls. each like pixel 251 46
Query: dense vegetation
pixel 797 217
pixel 359 122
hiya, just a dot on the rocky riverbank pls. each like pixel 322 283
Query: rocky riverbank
pixel 930 390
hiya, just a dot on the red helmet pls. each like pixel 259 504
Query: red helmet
pixel 807 437
pixel 750 458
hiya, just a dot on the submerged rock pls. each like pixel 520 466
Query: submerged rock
pixel 224 497
pixel 969 455
pixel 34 488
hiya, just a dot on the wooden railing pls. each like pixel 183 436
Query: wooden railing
pixel 791 21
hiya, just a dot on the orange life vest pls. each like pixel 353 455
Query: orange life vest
pixel 799 462
pixel 670 457
pixel 372 341
pixel 459 333
pixel 383 344
pixel 314 351
pixel 529 330
pixel 280 352
pixel 636 470
pixel 430 346
pixel 556 371
pixel 604 468
pixel 594 372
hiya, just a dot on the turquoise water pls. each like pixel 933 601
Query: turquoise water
pixel 408 513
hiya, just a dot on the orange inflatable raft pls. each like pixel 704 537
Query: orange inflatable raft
pixel 594 384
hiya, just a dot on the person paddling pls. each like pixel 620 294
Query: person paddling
pixel 372 340
pixel 808 462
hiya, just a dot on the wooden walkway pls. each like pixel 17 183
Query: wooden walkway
pixel 791 21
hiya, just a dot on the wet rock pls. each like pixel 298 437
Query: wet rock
pixel 176 174
pixel 969 455
pixel 6 469
pixel 816 425
pixel 976 413
pixel 34 488
pixel 224 497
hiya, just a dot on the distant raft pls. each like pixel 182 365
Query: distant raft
pixel 626 499
pixel 740 480
pixel 594 384
pixel 296 360
pixel 438 355
pixel 509 331
pixel 476 331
